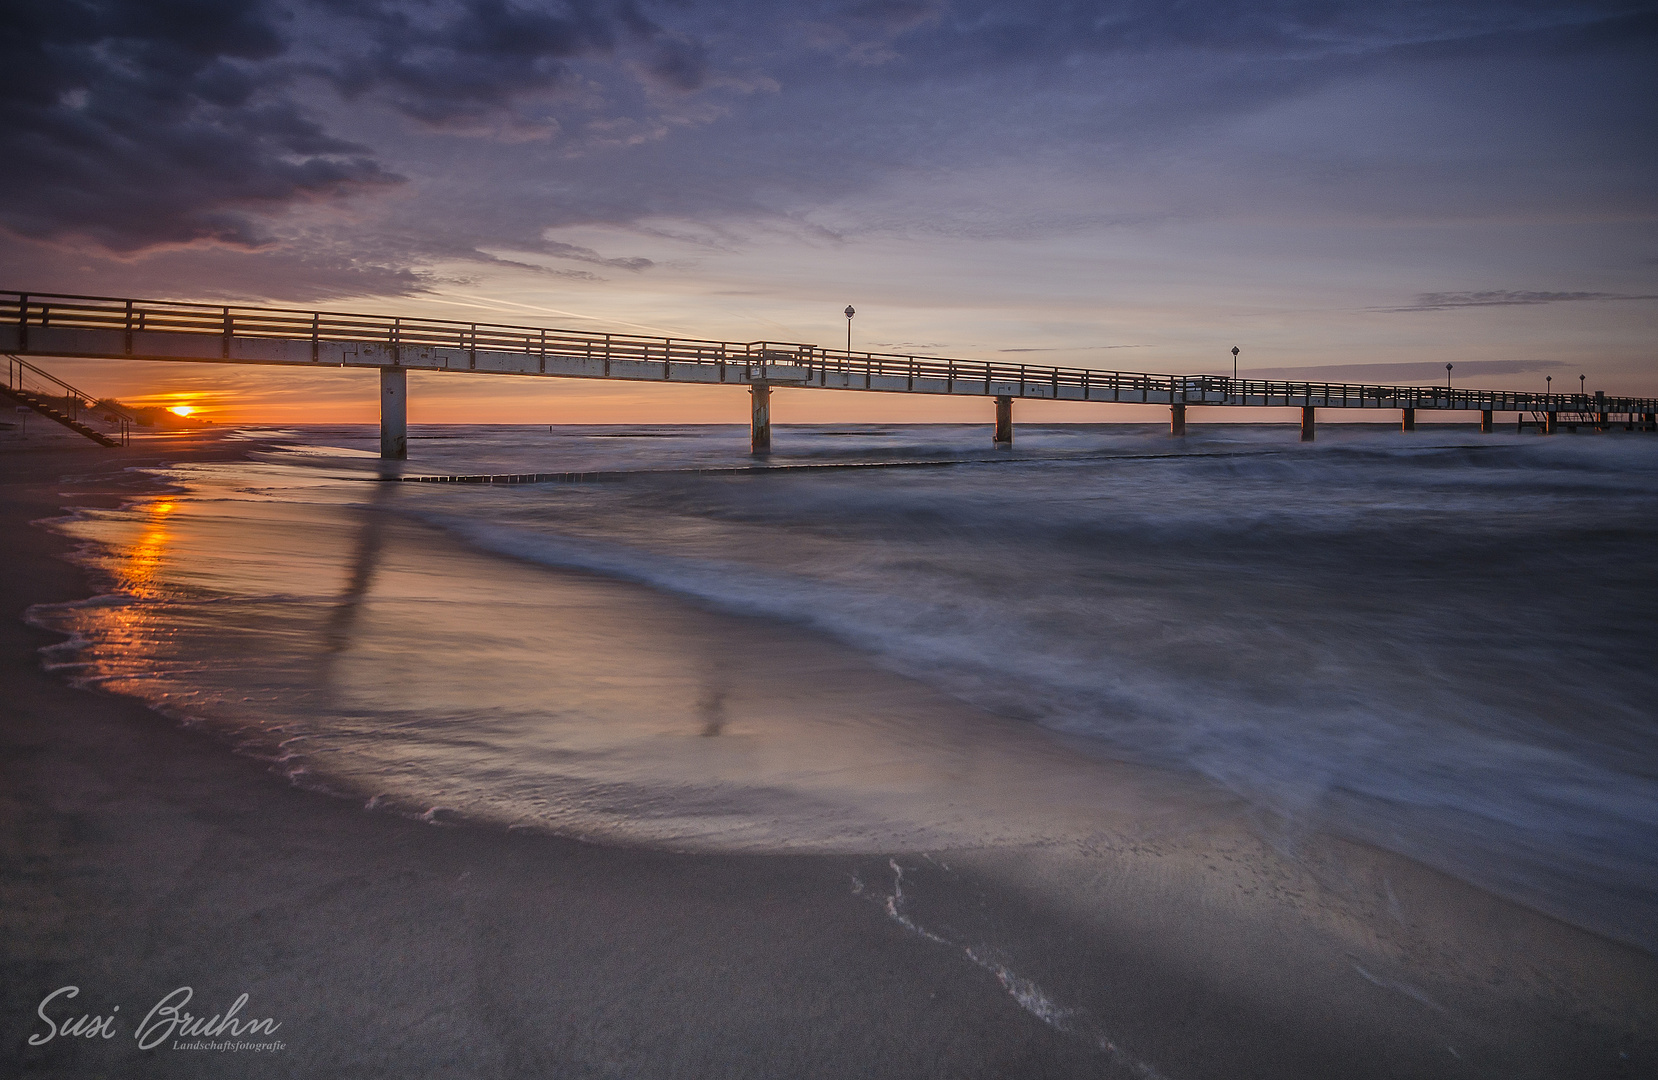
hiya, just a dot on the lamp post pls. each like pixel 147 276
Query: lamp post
pixel 849 313
pixel 1234 363
pixel 1581 392
pixel 1548 385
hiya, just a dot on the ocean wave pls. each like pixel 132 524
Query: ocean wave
pixel 1337 638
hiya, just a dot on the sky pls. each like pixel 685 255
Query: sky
pixel 1359 191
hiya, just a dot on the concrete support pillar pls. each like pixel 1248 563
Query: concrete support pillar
pixel 1177 419
pixel 1651 421
pixel 1408 421
pixel 1306 423
pixel 1488 423
pixel 394 413
pixel 759 423
pixel 1004 421
pixel 1551 423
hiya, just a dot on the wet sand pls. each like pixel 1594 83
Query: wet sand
pixel 140 857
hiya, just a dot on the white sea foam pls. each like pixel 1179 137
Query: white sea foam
pixel 1029 996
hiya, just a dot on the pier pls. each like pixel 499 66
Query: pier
pixel 110 328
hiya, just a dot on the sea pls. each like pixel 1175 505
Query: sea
pixel 902 638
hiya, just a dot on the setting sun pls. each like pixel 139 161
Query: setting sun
pixel 182 410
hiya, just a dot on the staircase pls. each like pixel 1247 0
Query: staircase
pixel 24 385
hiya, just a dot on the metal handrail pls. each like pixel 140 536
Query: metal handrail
pixel 27 310
pixel 73 398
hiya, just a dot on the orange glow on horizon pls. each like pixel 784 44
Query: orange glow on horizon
pixel 182 410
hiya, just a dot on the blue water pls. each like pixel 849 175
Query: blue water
pixel 1440 643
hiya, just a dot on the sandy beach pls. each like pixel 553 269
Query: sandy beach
pixel 141 856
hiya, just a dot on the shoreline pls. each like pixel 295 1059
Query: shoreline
pixel 144 856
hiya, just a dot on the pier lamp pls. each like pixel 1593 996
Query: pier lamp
pixel 1581 392
pixel 1234 363
pixel 1447 379
pixel 849 313
pixel 1548 385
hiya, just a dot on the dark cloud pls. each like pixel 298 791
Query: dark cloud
pixel 679 62
pixel 137 123
pixel 1441 301
pixel 133 124
pixel 463 64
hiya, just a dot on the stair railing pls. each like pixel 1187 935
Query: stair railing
pixel 19 372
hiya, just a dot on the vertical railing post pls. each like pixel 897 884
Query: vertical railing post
pixel 23 323
pixel 127 337
pixel 224 344
pixel 315 328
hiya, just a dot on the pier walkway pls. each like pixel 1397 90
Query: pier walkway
pixel 99 327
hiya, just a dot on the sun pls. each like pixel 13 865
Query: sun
pixel 182 410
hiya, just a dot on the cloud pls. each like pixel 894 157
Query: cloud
pixel 465 65
pixel 462 130
pixel 863 34
pixel 138 124
pixel 135 124
pixel 1505 298
pixel 310 270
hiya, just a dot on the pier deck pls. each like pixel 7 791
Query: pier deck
pixel 45 325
